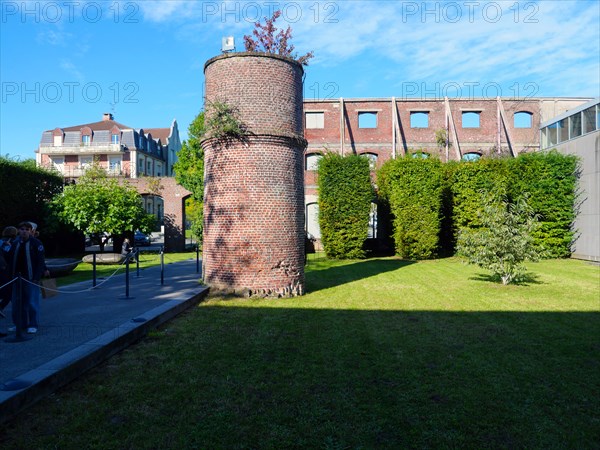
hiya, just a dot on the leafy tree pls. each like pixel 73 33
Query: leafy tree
pixel 189 171
pixel 269 41
pixel 98 204
pixel 504 241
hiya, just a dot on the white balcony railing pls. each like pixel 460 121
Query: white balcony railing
pixel 72 149
pixel 77 171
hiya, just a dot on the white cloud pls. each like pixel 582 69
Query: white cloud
pixel 72 70
pixel 413 41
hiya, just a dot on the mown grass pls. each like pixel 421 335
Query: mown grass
pixel 380 353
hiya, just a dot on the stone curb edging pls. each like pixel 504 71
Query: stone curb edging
pixel 61 370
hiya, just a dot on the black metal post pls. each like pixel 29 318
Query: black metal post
pixel 19 305
pixel 197 258
pixel 137 262
pixel 127 277
pixel 162 266
pixel 94 269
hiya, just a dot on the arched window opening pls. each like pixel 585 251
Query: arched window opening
pixel 311 161
pixel 367 120
pixel 522 119
pixel 470 119
pixel 472 156
pixel 312 220
pixel 372 233
pixel 372 157
pixel 419 119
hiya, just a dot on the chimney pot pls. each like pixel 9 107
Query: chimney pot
pixel 107 116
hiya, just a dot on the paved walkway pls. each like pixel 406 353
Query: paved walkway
pixel 81 327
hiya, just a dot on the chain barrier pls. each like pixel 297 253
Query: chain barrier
pixel 161 256
pixel 9 283
pixel 65 265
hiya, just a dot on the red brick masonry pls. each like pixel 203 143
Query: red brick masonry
pixel 253 188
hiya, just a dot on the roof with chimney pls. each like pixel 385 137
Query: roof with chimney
pixel 102 131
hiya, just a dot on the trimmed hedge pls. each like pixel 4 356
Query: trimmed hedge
pixel 467 182
pixel 430 201
pixel 345 196
pixel 26 189
pixel 551 180
pixel 413 189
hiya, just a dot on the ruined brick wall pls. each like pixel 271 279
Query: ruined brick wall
pixel 378 140
pixel 253 240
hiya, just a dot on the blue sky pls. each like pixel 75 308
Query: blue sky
pixel 64 63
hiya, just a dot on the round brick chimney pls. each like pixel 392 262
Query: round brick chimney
pixel 253 241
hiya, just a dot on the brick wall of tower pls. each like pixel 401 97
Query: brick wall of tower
pixel 253 241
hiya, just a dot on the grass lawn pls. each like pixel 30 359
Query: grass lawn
pixel 379 354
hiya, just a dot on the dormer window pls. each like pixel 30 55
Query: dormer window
pixel 114 138
pixel 86 139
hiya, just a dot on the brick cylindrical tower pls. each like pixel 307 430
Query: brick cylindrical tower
pixel 253 241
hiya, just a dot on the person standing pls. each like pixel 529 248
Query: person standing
pixel 8 235
pixel 27 260
pixel 126 248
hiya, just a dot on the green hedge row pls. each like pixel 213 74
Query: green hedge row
pixel 551 180
pixel 26 189
pixel 412 187
pixel 430 201
pixel 345 196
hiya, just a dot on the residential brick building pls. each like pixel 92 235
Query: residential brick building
pixel 122 150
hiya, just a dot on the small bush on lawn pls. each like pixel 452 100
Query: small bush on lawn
pixel 505 239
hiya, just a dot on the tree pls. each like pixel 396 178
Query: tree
pixel 98 204
pixel 504 241
pixel 189 172
pixel 269 41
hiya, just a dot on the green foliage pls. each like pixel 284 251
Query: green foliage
pixel 504 241
pixel 413 189
pixel 345 196
pixel 194 213
pixel 189 168
pixel 99 204
pixel 26 189
pixel 467 180
pixel 189 172
pixel 441 138
pixel 222 122
pixel 551 179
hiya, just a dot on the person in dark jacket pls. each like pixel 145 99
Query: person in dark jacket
pixel 8 236
pixel 27 260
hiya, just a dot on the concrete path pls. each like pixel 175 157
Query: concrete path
pixel 81 327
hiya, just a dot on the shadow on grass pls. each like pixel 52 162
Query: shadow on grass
pixel 299 378
pixel 525 280
pixel 317 279
pixel 401 379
